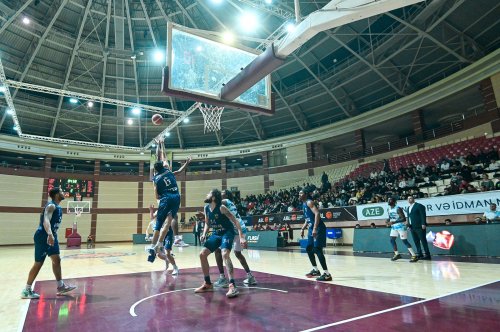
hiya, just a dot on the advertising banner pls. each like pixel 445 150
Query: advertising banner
pixel 347 213
pixel 437 206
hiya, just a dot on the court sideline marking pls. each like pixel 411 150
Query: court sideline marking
pixel 394 308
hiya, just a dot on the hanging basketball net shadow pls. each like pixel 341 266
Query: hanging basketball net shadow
pixel 211 117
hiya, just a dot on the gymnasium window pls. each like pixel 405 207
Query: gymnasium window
pixel 21 161
pixel 277 158
pixel 243 163
pixel 64 165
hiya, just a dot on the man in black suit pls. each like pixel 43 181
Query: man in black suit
pixel 417 222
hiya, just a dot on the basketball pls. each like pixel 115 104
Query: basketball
pixel 157 119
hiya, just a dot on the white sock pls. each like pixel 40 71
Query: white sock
pixel 396 252
pixel 60 283
pixel 315 268
pixel 411 251
pixel 326 272
pixel 28 287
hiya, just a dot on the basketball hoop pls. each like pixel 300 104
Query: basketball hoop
pixel 211 117
pixel 78 211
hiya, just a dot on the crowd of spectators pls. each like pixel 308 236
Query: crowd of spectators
pixel 382 183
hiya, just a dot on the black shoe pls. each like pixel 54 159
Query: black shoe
pixel 313 273
pixel 152 255
pixel 420 256
pixel 325 277
pixel 395 257
pixel 426 258
pixel 413 259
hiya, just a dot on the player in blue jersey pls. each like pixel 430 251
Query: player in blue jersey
pixel 316 237
pixel 46 244
pixel 227 200
pixel 397 221
pixel 167 193
pixel 225 226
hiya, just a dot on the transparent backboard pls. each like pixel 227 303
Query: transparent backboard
pixel 200 66
pixel 74 207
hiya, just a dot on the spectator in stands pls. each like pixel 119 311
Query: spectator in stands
pixel 487 183
pixel 492 215
pixel 470 189
pixel 324 178
pixel 372 225
pixel 471 159
pixel 373 174
pixel 357 226
pixel 445 166
pixel 447 222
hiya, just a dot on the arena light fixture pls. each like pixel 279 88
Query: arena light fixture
pixel 217 2
pixel 73 100
pixel 26 20
pixel 130 122
pixel 186 120
pixel 167 134
pixel 3 88
pixel 9 111
pixel 158 56
pixel 136 110
pixel 199 48
pixel 90 104
pixel 269 2
pixel 248 22
pixel 290 27
pixel 228 37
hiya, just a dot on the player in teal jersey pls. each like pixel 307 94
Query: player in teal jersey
pixel 227 200
pixel 397 221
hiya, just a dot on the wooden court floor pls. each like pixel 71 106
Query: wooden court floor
pixel 419 281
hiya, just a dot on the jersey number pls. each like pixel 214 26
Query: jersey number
pixel 167 182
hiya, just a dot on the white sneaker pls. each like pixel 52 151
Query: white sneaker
pixel 175 271
pixel 184 244
pixel 232 291
pixel 250 281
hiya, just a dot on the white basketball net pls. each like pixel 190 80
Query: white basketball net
pixel 211 117
pixel 78 211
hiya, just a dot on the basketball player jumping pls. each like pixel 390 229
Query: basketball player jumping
pixel 316 237
pixel 46 244
pixel 227 200
pixel 397 221
pixel 223 222
pixel 167 192
pixel 165 252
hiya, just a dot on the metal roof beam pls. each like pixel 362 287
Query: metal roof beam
pixel 104 68
pixel 15 15
pixel 70 66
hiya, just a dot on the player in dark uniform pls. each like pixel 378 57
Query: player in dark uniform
pixel 167 192
pixel 46 244
pixel 316 237
pixel 224 225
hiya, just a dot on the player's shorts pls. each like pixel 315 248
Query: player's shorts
pixel 42 249
pixel 401 232
pixel 168 205
pixel 320 240
pixel 237 243
pixel 224 241
pixel 169 239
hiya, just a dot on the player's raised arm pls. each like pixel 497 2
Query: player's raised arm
pixel 188 160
